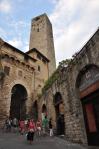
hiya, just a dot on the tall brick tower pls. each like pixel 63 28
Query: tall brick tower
pixel 41 38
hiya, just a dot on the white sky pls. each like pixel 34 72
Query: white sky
pixel 73 21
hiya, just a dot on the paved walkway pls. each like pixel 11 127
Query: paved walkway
pixel 16 141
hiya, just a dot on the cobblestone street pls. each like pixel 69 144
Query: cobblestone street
pixel 16 141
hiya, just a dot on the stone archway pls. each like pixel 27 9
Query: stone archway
pixel 88 87
pixel 59 109
pixel 44 111
pixel 18 102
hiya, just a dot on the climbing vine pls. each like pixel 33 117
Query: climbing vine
pixel 51 80
pixel 62 65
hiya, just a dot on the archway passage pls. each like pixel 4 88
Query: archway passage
pixel 59 108
pixel 88 86
pixel 35 111
pixel 44 111
pixel 18 102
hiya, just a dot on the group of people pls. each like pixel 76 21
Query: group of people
pixel 29 127
pixel 10 124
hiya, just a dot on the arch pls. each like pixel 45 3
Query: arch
pixel 18 102
pixel 23 63
pixel 44 111
pixel 87 84
pixel 57 98
pixel 6 57
pixel 10 86
pixel 83 71
pixel 17 61
pixel 13 58
pixel 21 82
pixel 59 109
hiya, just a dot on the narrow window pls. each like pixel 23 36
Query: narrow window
pixel 38 68
pixel 38 30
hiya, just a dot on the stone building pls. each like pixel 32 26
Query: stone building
pixel 22 75
pixel 41 38
pixel 72 101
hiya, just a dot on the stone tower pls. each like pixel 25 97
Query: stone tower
pixel 41 38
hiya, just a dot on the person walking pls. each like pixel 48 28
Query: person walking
pixel 51 127
pixel 8 124
pixel 31 130
pixel 38 127
pixel 45 124
pixel 21 126
pixel 15 124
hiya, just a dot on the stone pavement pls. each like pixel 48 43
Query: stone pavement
pixel 17 141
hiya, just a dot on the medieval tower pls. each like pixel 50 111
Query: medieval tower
pixel 41 38
pixel 23 74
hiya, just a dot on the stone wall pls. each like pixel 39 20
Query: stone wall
pixel 19 73
pixel 66 85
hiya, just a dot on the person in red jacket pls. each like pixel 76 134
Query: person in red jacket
pixel 31 130
pixel 21 126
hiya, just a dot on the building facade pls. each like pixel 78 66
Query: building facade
pixel 72 101
pixel 22 75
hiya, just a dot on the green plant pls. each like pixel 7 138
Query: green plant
pixel 50 81
pixel 63 64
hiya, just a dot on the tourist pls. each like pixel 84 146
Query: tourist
pixel 50 127
pixel 8 124
pixel 21 126
pixel 45 124
pixel 26 124
pixel 15 124
pixel 38 127
pixel 31 130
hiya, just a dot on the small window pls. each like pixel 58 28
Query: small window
pixel 39 85
pixel 38 68
pixel 38 30
pixel 7 70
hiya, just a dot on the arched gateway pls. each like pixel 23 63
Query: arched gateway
pixel 44 111
pixel 59 108
pixel 88 86
pixel 18 102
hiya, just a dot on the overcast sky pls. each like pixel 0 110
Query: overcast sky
pixel 73 21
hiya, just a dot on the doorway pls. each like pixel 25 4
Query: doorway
pixel 18 102
pixel 91 116
pixel 59 109
pixel 44 111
